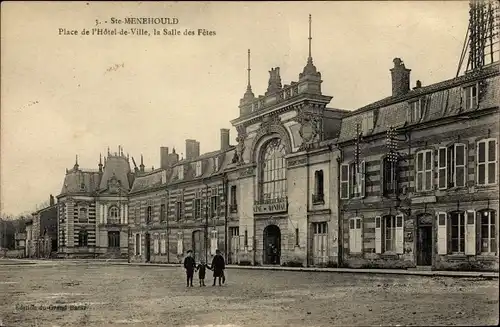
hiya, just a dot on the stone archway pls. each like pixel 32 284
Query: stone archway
pixel 272 245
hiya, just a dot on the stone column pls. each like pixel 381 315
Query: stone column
pixel 126 214
pixel 106 213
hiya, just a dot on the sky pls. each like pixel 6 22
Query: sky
pixel 68 95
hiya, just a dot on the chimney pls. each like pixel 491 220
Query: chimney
pixel 192 149
pixel 51 201
pixel 164 157
pixel 400 78
pixel 224 139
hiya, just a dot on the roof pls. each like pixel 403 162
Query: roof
pixel 119 167
pixel 77 181
pixel 440 100
pixel 150 180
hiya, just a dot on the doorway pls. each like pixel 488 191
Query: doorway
pixel 424 245
pixel 272 245
pixel 148 247
pixel 199 245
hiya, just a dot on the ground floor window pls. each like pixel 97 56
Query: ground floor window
pixel 487 219
pixel 213 242
pixel 83 238
pixel 180 243
pixel 457 225
pixel 320 242
pixel 389 234
pixel 114 239
pixel 137 244
pixel 156 244
pixel 355 238
pixel 163 245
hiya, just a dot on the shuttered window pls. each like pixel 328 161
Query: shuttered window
pixel 355 238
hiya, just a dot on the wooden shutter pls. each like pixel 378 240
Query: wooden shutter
pixel 344 181
pixel 460 173
pixel 378 234
pixel 180 250
pixel 213 242
pixel 358 238
pixel 470 233
pixel 399 234
pixel 442 168
pixel 352 235
pixel 442 220
pixel 362 180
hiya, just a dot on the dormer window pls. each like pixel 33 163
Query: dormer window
pixel 416 111
pixel 216 163
pixel 367 123
pixel 198 168
pixel 180 172
pixel 470 96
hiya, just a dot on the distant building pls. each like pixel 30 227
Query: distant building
pixel 41 231
pixel 93 209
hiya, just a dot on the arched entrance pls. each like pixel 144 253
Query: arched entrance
pixel 199 245
pixel 272 245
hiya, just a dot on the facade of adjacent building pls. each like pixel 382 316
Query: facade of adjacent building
pixel 93 209
pixel 419 175
pixel 41 232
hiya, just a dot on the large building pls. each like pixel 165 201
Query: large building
pixel 93 209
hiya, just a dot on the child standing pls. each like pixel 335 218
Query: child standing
pixel 189 265
pixel 202 268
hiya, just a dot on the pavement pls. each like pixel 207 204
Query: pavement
pixel 414 272
pixel 96 293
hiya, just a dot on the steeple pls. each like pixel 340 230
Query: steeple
pixel 141 166
pixel 309 69
pixel 100 163
pixel 248 96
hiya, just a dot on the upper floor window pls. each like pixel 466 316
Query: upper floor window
pixel 149 214
pixel 197 208
pixel 180 172
pixel 178 209
pixel 214 202
pixel 233 195
pixel 198 168
pixel 487 160
pixel 367 122
pixel 470 96
pixel 424 165
pixel 352 180
pixel 389 176
pixel 162 212
pixel 318 196
pixel 82 215
pixel 452 166
pixel 416 111
pixel 114 215
pixel 273 170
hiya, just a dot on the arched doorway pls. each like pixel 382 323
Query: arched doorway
pixel 198 245
pixel 272 245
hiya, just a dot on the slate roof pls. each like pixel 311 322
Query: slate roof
pixel 443 99
pixel 120 168
pixel 149 180
pixel 78 181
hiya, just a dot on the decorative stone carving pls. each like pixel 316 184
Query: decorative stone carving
pixel 296 162
pixel 310 130
pixel 249 171
pixel 270 125
pixel 240 148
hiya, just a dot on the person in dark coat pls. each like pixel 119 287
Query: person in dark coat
pixel 189 265
pixel 202 268
pixel 218 266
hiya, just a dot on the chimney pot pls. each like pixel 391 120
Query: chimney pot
pixel 192 149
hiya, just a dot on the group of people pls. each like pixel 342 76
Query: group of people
pixel 218 266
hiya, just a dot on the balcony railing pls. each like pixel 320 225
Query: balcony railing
pixel 233 208
pixel 270 205
pixel 318 198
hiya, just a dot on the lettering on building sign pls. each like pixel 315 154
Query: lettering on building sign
pixel 270 206
pixel 297 162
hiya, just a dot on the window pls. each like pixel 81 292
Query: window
pixel 424 171
pixel 214 203
pixel 83 238
pixel 367 122
pixel 233 195
pixel 245 241
pixel 389 234
pixel 114 239
pixel 488 231
pixel 180 243
pixel 216 163
pixel 114 215
pixel 355 241
pixel 344 181
pixel 197 208
pixel 156 244
pixel 389 176
pixel 213 242
pixel 452 166
pixel 416 111
pixel 163 245
pixel 487 159
pixel 162 212
pixel 149 215
pixel 180 172
pixel 470 95
pixel 296 237
pixel 178 210
pixel 273 171
pixel 198 168
pixel 137 244
pixel 442 218
pixel 82 215
pixel 457 232
pixel 318 196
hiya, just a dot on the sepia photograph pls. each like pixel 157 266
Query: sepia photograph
pixel 244 163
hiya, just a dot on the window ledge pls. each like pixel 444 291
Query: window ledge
pixel 487 256
pixel 486 186
pixel 457 256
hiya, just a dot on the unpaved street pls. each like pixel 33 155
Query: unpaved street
pixel 100 294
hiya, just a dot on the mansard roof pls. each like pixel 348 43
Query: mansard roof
pixel 149 180
pixel 81 181
pixel 441 100
pixel 119 167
